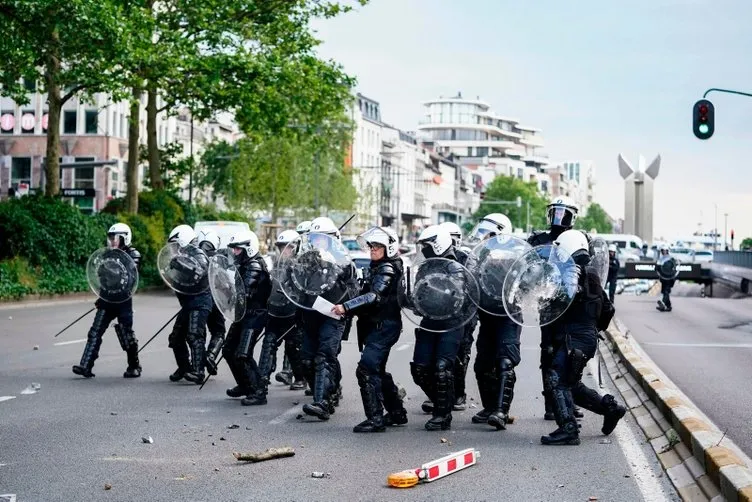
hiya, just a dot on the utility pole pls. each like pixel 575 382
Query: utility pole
pixel 715 230
pixel 725 231
pixel 190 173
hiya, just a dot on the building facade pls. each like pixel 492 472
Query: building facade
pixel 575 179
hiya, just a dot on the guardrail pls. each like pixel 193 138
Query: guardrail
pixel 735 258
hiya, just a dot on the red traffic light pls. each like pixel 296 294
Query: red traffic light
pixel 732 234
pixel 703 109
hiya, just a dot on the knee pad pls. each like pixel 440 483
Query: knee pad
pixel 420 373
pixel 362 374
pixel 552 379
pixel 126 337
pixel 443 365
pixel 577 362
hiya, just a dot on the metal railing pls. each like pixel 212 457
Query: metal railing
pixel 735 258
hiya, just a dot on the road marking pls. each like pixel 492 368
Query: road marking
pixel 285 416
pixel 6 398
pixel 642 470
pixel 69 342
pixel 402 347
pixel 704 345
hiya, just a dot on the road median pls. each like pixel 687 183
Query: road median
pixel 702 463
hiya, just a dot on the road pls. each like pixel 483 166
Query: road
pixel 73 436
pixel 705 347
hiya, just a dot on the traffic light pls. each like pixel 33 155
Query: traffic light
pixel 703 119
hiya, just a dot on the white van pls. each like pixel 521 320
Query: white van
pixel 629 245
pixel 224 229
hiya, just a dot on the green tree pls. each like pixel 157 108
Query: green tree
pixel 501 196
pixel 174 168
pixel 595 218
pixel 66 48
pixel 213 170
pixel 746 244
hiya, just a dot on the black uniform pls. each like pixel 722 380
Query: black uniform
pixel 243 334
pixel 463 354
pixel 613 273
pixel 189 330
pixel 106 313
pixel 434 360
pixel 574 341
pixel 664 304
pixel 380 324
pixel 216 325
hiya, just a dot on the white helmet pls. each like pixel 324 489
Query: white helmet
pixel 245 239
pixel 453 229
pixel 562 212
pixel 663 247
pixel 122 230
pixel 573 242
pixel 384 236
pixel 183 235
pixel 488 226
pixel 437 237
pixel 612 248
pixel 324 225
pixel 287 237
pixel 303 227
pixel 208 236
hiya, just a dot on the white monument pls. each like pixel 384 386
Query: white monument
pixel 638 196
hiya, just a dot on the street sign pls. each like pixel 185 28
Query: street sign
pixel 77 193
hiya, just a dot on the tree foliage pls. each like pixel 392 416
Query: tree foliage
pixel 507 189
pixel 746 244
pixel 595 218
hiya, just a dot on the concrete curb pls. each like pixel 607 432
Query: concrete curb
pixel 701 462
pixel 41 300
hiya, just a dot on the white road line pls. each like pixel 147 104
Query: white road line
pixel 6 398
pixel 642 470
pixel 285 416
pixel 402 347
pixel 703 345
pixel 69 342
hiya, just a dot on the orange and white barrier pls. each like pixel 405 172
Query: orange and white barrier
pixel 434 470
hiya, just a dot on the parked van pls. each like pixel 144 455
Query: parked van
pixel 630 246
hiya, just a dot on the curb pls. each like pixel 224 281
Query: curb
pixel 38 300
pixel 700 461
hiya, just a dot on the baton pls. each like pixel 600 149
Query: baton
pixel 158 332
pixel 279 340
pixel 209 375
pixel 348 221
pixel 600 376
pixel 74 322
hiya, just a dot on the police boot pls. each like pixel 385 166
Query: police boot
pixel 500 416
pixel 243 387
pixel 395 409
pixel 212 354
pixel 298 384
pixel 93 342
pixel 613 413
pixel 196 373
pixel 83 371
pixel 374 421
pixel 134 367
pixel 661 306
pixel 442 404
pixel 460 372
pixel 255 399
pixel 488 388
pixel 182 357
pixel 320 408
pixel 568 432
pixel 285 376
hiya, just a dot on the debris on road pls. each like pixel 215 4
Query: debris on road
pixel 147 439
pixel 321 475
pixel 107 486
pixel 435 469
pixel 443 440
pixel 32 389
pixel 113 413
pixel 36 347
pixel 605 441
pixel 233 426
pixel 269 454
pixel 511 419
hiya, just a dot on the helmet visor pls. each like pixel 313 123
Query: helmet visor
pixel 560 217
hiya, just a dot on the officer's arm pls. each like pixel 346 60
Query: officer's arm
pixel 136 257
pixel 385 276
pixel 252 277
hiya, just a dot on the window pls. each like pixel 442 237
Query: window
pixel 92 117
pixel 469 151
pixel 28 124
pixel 519 172
pixel 69 121
pixel 482 151
pixel 7 121
pixel 544 186
pixel 20 171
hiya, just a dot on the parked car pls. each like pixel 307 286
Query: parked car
pixel 702 256
pixel 684 255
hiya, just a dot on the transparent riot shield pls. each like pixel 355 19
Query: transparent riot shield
pixel 112 275
pixel 667 268
pixel 489 262
pixel 319 275
pixel 227 287
pixel 540 286
pixel 438 294
pixel 599 258
pixel 185 269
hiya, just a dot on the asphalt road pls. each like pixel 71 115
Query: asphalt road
pixel 73 436
pixel 705 347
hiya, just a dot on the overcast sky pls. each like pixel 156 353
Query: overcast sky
pixel 598 77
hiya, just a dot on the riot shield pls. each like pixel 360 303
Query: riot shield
pixel 540 286
pixel 227 287
pixel 667 268
pixel 321 272
pixel 489 262
pixel 185 269
pixel 599 258
pixel 112 275
pixel 439 294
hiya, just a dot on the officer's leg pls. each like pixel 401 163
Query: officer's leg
pixel 196 338
pixel 485 371
pixel 176 341
pixel 395 409
pixel 421 365
pixel 546 359
pixel 127 339
pixel 268 357
pixel 326 367
pixel 216 326
pixel 448 343
pixel 462 363
pixel 612 290
pixel 229 352
pixel 507 358
pixel 247 344
pixel 293 343
pixel 102 320
pixel 309 346
pixel 558 383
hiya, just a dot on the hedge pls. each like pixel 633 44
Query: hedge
pixel 45 242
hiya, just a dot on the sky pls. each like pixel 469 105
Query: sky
pixel 599 78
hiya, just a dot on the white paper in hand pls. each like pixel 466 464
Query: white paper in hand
pixel 325 307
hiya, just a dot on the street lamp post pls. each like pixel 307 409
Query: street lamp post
pixel 725 231
pixel 715 230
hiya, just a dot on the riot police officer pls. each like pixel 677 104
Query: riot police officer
pixel 613 271
pixel 118 237
pixel 243 334
pixel 574 340
pixel 437 342
pixel 208 242
pixel 380 320
pixel 664 304
pixel 498 347
pixel 561 215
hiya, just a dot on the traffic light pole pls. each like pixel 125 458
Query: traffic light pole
pixel 714 89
